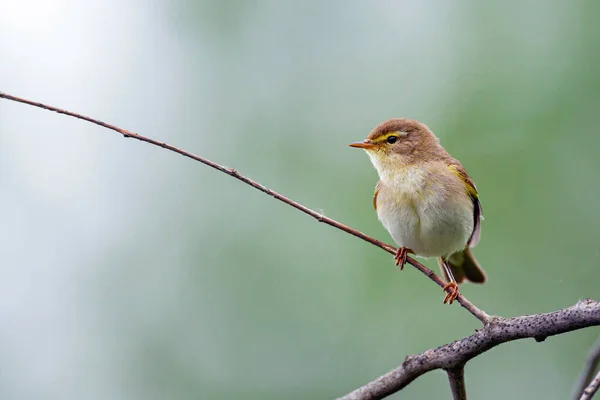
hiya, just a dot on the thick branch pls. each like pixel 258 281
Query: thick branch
pixel 499 330
pixel 451 357
pixel 477 313
pixel 456 376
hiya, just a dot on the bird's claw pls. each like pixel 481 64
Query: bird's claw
pixel 452 294
pixel 401 256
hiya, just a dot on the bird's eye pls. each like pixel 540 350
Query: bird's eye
pixel 392 139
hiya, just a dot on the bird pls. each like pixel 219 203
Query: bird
pixel 426 200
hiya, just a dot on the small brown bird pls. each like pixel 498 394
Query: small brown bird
pixel 425 199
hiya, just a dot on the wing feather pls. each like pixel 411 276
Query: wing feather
pixel 375 195
pixel 461 172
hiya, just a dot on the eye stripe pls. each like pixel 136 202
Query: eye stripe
pixel 385 137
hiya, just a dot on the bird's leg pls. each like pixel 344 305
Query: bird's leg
pixel 401 255
pixel 452 285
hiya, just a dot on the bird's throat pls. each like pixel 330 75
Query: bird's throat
pixel 391 169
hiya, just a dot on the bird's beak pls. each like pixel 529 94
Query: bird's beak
pixel 363 145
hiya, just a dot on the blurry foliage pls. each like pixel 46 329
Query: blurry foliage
pixel 205 288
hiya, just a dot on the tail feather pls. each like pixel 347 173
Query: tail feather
pixel 464 266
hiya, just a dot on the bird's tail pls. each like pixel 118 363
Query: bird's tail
pixel 464 265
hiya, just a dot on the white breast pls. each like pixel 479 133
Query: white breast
pixel 433 218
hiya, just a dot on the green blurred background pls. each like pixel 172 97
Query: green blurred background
pixel 129 272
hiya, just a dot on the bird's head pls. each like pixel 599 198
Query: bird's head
pixel 398 143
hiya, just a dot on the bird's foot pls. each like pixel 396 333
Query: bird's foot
pixel 453 293
pixel 401 256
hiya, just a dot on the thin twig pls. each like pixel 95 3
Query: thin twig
pixel 476 312
pixel 592 388
pixel 499 330
pixel 456 377
pixel 588 372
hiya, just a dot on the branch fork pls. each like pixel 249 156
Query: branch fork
pixel 450 357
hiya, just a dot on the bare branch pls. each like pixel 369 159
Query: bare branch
pixel 590 367
pixel 499 330
pixel 476 312
pixel 592 388
pixel 451 357
pixel 456 376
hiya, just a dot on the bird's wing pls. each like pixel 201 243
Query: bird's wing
pixel 461 172
pixel 375 195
